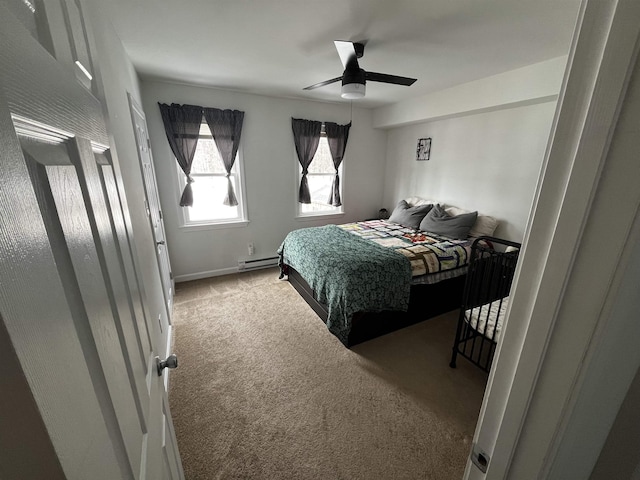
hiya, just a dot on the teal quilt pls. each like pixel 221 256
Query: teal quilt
pixel 348 274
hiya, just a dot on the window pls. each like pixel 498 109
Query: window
pixel 210 185
pixel 320 178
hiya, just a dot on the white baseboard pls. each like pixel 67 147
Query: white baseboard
pixel 211 273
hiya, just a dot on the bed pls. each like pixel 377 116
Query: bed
pixel 485 300
pixel 365 279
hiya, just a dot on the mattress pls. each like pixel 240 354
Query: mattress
pixel 488 319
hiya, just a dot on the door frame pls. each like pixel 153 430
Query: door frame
pixel 168 300
pixel 562 225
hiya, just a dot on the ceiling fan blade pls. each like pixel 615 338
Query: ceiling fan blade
pixel 396 80
pixel 347 53
pixel 322 84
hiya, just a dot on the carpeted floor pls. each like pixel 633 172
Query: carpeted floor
pixel 264 391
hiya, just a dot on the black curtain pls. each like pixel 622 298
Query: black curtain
pixel 337 136
pixel 306 136
pixel 182 126
pixel 226 127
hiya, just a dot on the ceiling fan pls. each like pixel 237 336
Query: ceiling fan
pixel 354 78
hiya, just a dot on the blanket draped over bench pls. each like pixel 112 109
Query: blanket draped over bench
pixel 348 273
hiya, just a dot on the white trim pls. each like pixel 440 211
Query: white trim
pixel 213 226
pixel 318 216
pixel 209 273
pixel 602 53
pixel 220 271
pixel 37 130
pixel 243 183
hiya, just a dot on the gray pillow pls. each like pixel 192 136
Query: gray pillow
pixel 441 223
pixel 409 216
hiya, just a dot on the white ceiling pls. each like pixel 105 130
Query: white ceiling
pixel 277 47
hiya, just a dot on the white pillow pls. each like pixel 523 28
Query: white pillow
pixel 453 211
pixel 484 227
pixel 417 201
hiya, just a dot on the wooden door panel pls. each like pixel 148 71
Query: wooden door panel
pixel 47 339
pixel 61 203
pixel 108 179
pixel 79 41
pixel 112 266
pixel 30 92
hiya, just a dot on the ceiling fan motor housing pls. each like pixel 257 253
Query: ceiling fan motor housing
pixel 354 76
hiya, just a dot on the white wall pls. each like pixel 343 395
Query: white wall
pixel 528 85
pixel 270 166
pixel 488 162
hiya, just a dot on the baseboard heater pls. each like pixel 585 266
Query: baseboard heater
pixel 249 263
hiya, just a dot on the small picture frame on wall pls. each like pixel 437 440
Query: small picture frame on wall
pixel 424 149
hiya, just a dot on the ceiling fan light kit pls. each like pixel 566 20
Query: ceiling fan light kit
pixel 353 91
pixel 354 78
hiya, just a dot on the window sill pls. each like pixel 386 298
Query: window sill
pixel 319 216
pixel 213 226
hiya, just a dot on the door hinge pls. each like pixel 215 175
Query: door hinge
pixel 148 144
pixel 171 275
pixel 479 458
pixel 160 212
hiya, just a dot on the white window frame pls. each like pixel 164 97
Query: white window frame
pixel 238 172
pixel 335 211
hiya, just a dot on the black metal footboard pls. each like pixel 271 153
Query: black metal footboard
pixel 485 300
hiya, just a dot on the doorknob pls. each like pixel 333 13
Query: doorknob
pixel 161 242
pixel 170 362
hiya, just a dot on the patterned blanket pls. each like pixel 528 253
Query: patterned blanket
pixel 348 273
pixel 428 253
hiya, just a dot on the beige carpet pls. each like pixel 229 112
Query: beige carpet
pixel 264 391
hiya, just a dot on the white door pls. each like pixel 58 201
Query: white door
pixel 153 201
pixel 71 306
